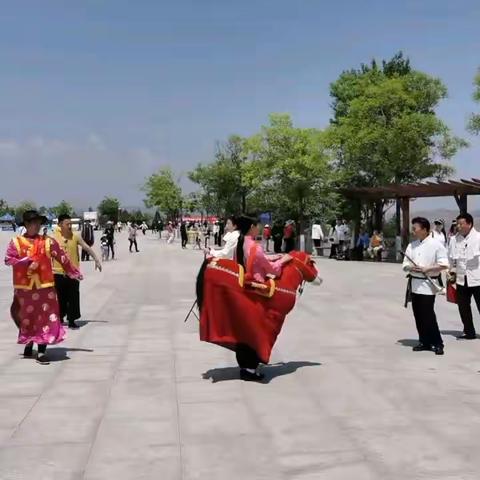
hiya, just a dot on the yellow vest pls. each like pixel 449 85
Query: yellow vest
pixel 70 246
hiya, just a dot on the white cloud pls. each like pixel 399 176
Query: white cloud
pixel 82 172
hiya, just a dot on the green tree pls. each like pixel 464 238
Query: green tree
pixel 109 209
pixel 291 173
pixel 474 122
pixel 163 192
pixel 5 208
pixel 225 183
pixel 63 208
pixel 385 129
pixel 22 207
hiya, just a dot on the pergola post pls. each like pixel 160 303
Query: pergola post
pixel 405 205
pixel 462 202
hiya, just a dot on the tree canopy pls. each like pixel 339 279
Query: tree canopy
pixel 474 121
pixel 164 193
pixel 63 208
pixel 109 208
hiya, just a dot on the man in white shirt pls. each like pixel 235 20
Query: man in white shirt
pixel 317 236
pixel 425 257
pixel 464 256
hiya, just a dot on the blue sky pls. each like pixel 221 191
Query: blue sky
pixel 95 95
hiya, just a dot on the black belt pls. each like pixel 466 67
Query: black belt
pixel 408 293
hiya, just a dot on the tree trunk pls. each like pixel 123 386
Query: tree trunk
pixel 378 215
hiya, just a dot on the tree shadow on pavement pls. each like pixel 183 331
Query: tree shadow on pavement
pixel 59 354
pixel 270 371
pixel 407 342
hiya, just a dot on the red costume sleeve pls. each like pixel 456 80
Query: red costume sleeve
pixel 12 257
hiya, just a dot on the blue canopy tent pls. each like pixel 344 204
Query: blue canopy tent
pixel 7 218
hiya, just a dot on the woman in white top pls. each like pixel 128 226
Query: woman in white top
pixel 438 232
pixel 230 239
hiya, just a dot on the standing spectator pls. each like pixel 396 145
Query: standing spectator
pixel 184 234
pixel 267 235
pixel 289 236
pixel 68 289
pixel 110 234
pixel 170 233
pixel 277 235
pixel 89 238
pixel 317 236
pixel 453 231
pixel 144 227
pixel 425 257
pixel 334 240
pixel 132 237
pixel 216 233
pixel 439 232
pixel 221 227
pixel 464 256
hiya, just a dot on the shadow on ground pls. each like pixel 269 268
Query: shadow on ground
pixel 407 342
pixel 270 371
pixel 453 333
pixel 59 354
pixel 82 323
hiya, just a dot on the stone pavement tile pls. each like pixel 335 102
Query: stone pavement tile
pixel 154 404
pixel 357 471
pixel 74 394
pixel 52 425
pixel 204 391
pixel 44 462
pixel 13 410
pixel 113 460
pixel 232 457
pixel 216 419
pixel 90 370
pixel 23 385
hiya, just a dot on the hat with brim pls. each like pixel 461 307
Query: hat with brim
pixel 439 221
pixel 32 216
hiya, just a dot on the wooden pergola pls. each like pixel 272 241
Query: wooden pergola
pixel 459 189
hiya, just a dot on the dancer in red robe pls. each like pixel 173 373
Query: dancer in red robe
pixel 243 303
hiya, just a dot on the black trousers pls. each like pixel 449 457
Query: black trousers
pixel 289 245
pixel 333 250
pixel 246 357
pixel 426 320
pixel 68 293
pixel 111 248
pixel 85 256
pixel 184 241
pixel 464 301
pixel 132 243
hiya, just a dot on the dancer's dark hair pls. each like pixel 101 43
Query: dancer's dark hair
pixel 244 224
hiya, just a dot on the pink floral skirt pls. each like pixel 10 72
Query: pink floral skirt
pixel 36 313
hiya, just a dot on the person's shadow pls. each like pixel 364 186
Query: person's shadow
pixel 60 354
pixel 407 342
pixel 453 333
pixel 82 323
pixel 270 371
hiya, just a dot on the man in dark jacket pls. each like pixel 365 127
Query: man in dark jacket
pixel 89 238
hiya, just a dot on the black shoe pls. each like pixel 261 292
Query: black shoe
pixel 250 377
pixel 28 352
pixel 43 359
pixel 438 350
pixel 421 348
pixel 73 326
pixel 466 337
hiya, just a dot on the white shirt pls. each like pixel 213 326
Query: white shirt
pixel 424 254
pixel 317 232
pixel 340 231
pixel 464 256
pixel 440 237
pixel 228 251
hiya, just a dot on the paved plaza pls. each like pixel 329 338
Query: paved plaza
pixel 134 395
